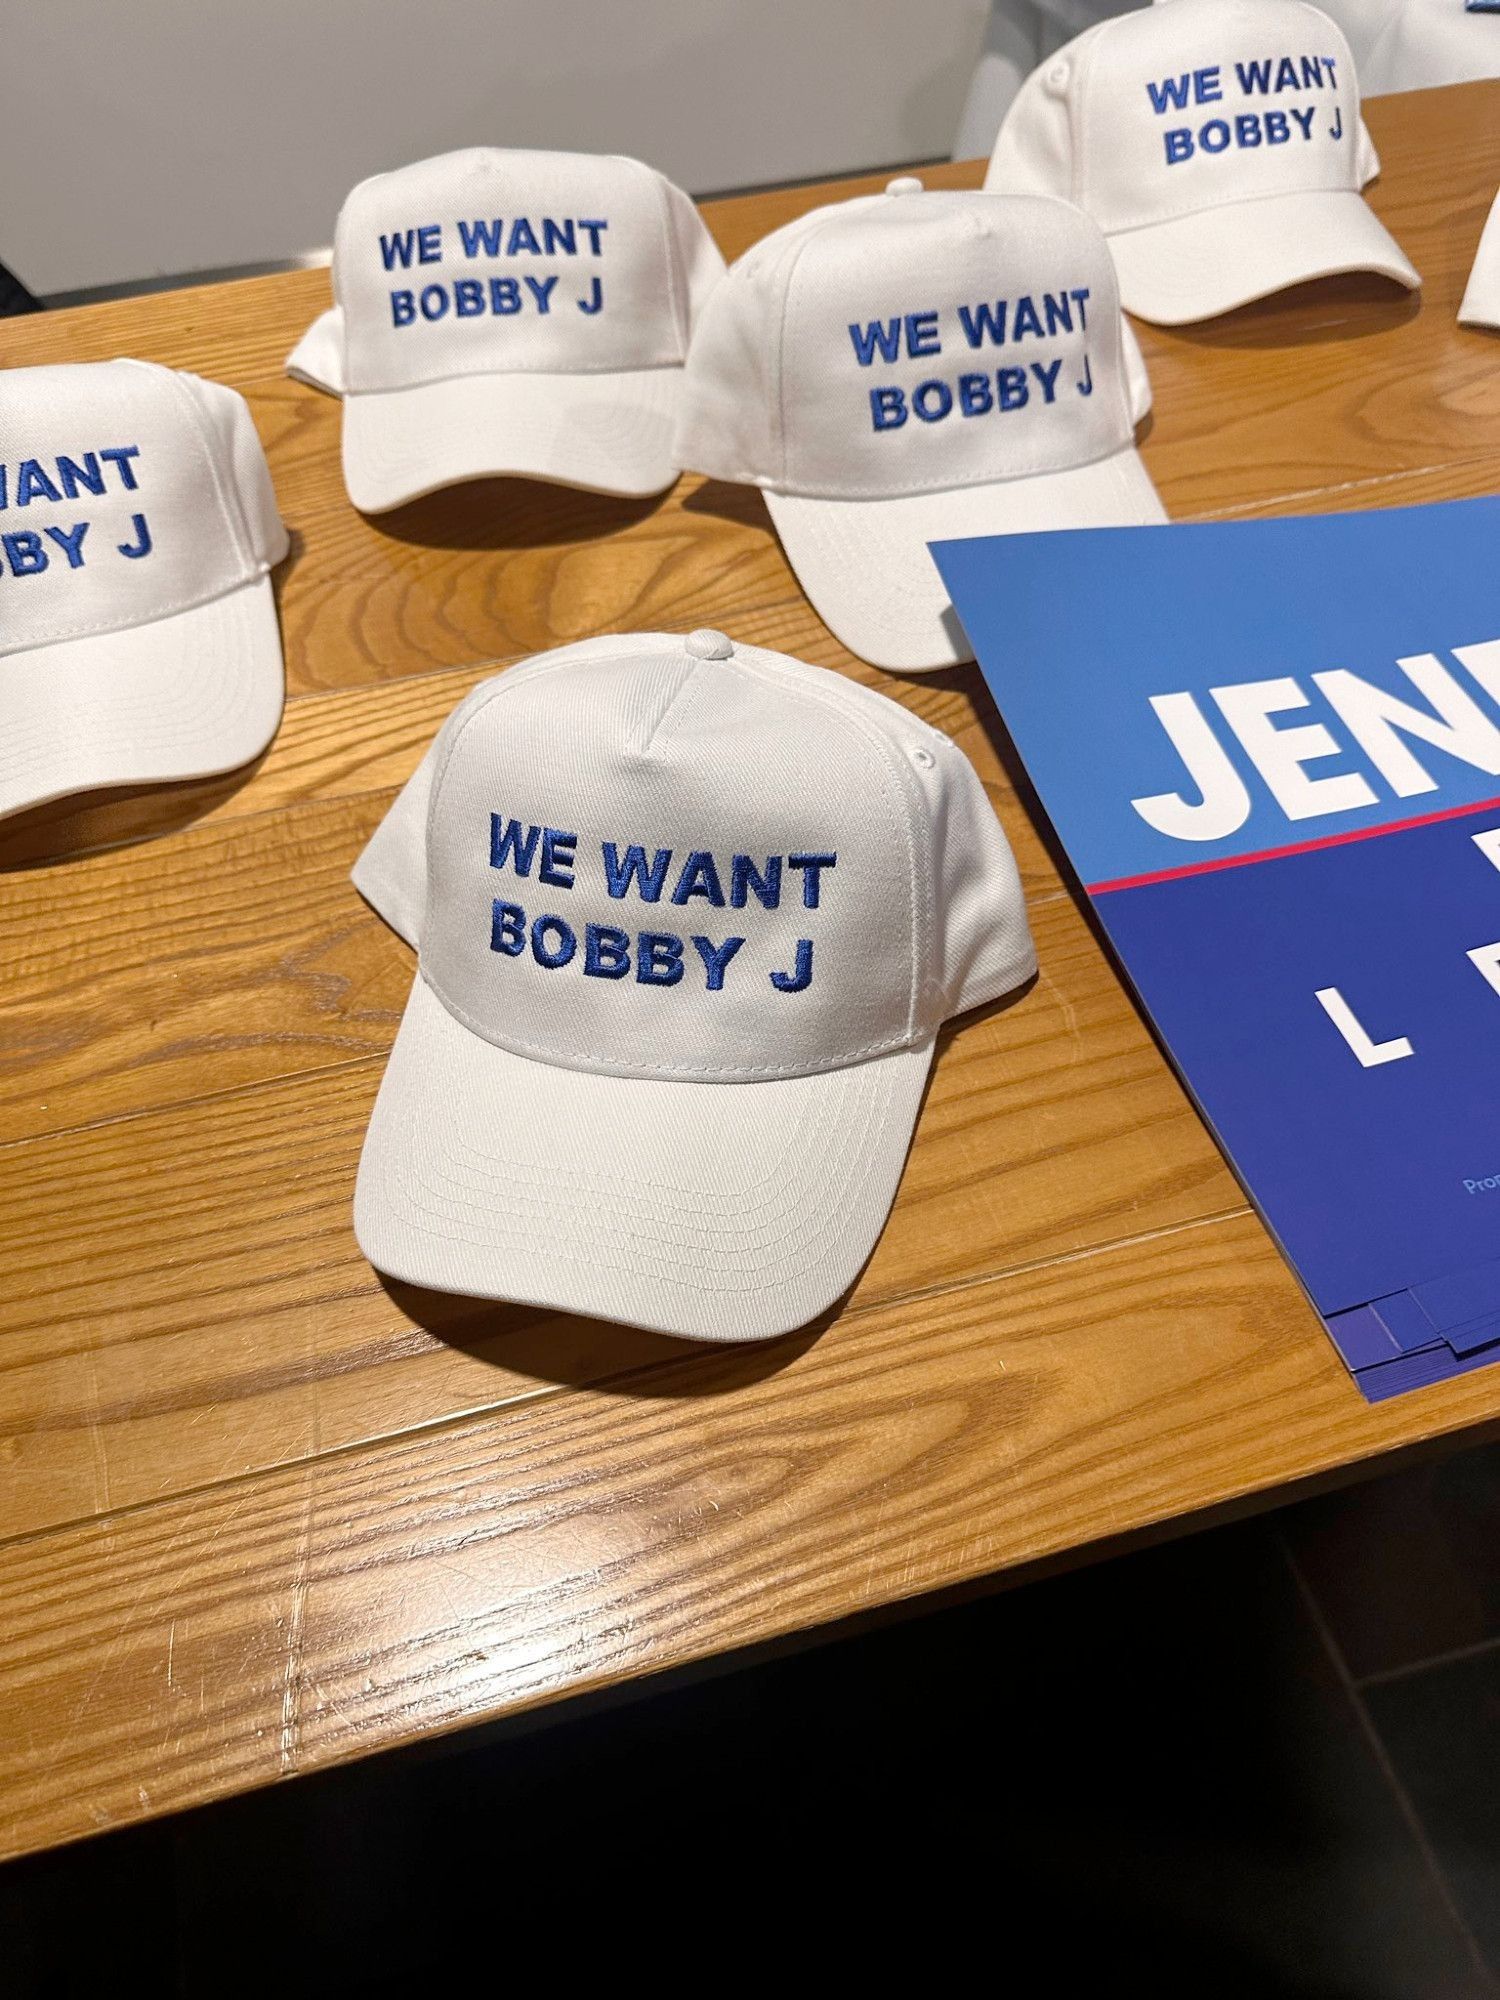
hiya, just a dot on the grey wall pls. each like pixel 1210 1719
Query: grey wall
pixel 140 138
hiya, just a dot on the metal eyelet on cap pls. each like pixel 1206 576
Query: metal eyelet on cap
pixel 706 644
pixel 923 757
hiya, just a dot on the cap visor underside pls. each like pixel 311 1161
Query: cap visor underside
pixel 866 566
pixel 726 1212
pixel 1198 266
pixel 606 433
pixel 184 697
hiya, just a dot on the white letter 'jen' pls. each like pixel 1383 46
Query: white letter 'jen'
pixel 1279 753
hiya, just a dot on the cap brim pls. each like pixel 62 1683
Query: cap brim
pixel 866 566
pixel 606 433
pixel 184 697
pixel 725 1212
pixel 1197 266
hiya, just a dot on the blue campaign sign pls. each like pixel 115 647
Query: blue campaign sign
pixel 1272 752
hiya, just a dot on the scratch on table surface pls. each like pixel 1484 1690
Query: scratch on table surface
pixel 1065 1005
pixel 171 1648
pixel 1278 502
pixel 909 1560
pixel 976 1554
pixel 325 1700
pixel 291 1686
pixel 115 1642
pixel 98 1449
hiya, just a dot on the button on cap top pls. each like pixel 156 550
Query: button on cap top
pixel 904 184
pixel 708 645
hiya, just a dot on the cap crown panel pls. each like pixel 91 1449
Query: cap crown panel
pixel 1201 103
pixel 659 867
pixel 492 261
pixel 938 341
pixel 119 500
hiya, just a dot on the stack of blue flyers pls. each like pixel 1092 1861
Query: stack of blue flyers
pixel 1271 751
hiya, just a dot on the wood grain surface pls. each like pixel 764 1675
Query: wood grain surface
pixel 260 1510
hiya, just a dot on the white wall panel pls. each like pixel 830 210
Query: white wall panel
pixel 140 138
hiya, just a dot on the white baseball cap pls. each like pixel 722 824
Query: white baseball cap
pixel 510 312
pixel 1217 143
pixel 911 367
pixel 138 526
pixel 689 917
pixel 1480 305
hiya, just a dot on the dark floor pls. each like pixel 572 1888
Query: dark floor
pixel 1263 1761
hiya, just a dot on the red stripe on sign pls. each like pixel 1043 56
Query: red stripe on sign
pixel 1276 853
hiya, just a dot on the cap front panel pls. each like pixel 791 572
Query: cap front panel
pixel 112 510
pixel 658 866
pixel 943 340
pixel 1207 102
pixel 488 262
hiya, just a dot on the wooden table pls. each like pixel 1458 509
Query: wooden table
pixel 261 1512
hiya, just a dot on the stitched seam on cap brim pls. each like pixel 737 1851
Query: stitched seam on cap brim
pixel 694 1276
pixel 588 1178
pixel 518 374
pixel 547 437
pixel 663 1072
pixel 160 736
pixel 529 374
pixel 171 610
pixel 845 539
pixel 861 1168
pixel 1241 201
pixel 1127 443
pixel 783 1253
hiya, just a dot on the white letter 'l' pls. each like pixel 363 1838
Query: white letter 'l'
pixel 1369 1054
